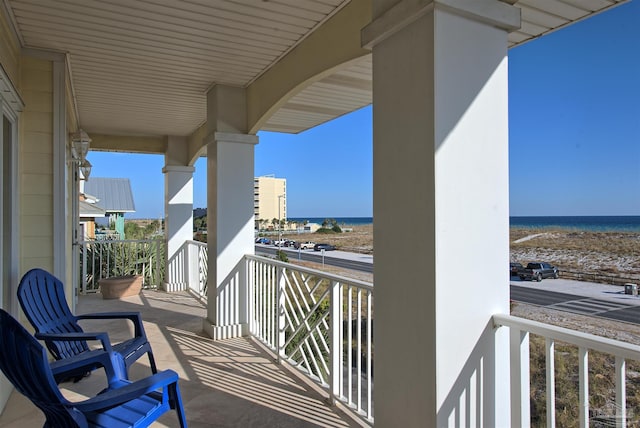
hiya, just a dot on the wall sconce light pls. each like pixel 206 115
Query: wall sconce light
pixel 79 149
pixel 85 170
pixel 80 145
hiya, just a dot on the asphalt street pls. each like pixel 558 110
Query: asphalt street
pixel 586 298
pixel 343 259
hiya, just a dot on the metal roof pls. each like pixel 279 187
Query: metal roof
pixel 114 194
pixel 90 210
pixel 143 67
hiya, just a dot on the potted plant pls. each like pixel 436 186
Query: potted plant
pixel 116 287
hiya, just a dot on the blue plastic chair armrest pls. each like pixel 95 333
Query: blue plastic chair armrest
pixel 115 397
pixel 71 337
pixel 134 317
pixel 89 361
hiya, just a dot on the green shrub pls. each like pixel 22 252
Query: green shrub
pixel 282 256
pixel 324 230
pixel 336 228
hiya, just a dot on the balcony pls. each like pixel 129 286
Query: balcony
pixel 308 357
pixel 234 382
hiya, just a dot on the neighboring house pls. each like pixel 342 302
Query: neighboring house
pixel 114 196
pixel 311 227
pixel 89 211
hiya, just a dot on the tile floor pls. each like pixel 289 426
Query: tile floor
pixel 230 383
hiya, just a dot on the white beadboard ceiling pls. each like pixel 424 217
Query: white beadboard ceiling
pixel 142 67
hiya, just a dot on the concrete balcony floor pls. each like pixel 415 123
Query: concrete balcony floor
pixel 230 383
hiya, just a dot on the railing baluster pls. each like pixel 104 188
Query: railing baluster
pixel 350 346
pixel 341 344
pixel 335 326
pixel 158 277
pixel 85 248
pixel 520 406
pixel 369 354
pixel 262 303
pixel 583 363
pixel 551 383
pixel 359 348
pixel 269 308
pixel 280 307
pixel 621 393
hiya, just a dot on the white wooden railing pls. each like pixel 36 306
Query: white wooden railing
pixel 197 267
pixel 520 329
pixel 108 258
pixel 323 325
pixel 319 322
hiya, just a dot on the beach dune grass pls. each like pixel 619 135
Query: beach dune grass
pixel 601 386
pixel 615 253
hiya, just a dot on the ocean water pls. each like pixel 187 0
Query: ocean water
pixel 346 221
pixel 580 223
pixel 585 223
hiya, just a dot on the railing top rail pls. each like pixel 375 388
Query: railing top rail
pixel 577 338
pixel 350 281
pixel 198 243
pixel 126 241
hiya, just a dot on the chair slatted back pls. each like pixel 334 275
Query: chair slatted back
pixel 41 296
pixel 24 362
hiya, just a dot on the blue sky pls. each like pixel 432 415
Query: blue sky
pixel 574 102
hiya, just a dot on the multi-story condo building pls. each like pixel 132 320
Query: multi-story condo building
pixel 269 200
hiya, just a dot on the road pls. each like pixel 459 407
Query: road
pixel 598 300
pixel 343 259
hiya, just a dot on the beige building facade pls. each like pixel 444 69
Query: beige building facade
pixel 269 200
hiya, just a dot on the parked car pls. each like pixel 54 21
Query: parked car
pixel 515 268
pixel 279 242
pixel 305 245
pixel 290 243
pixel 265 241
pixel 326 247
pixel 539 271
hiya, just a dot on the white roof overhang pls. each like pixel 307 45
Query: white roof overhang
pixel 143 68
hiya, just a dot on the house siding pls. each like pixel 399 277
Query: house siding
pixel 36 165
pixel 9 50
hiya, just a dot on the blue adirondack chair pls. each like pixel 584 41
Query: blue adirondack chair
pixel 41 296
pixel 125 404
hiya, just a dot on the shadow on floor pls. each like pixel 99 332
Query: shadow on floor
pixel 230 383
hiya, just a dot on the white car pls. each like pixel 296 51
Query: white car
pixel 307 245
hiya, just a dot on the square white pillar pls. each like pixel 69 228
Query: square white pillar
pixel 441 210
pixel 178 187
pixel 230 230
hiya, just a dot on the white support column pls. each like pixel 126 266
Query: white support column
pixel 178 187
pixel 230 223
pixel 230 219
pixel 441 182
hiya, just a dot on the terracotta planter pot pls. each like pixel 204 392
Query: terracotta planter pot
pixel 120 286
